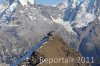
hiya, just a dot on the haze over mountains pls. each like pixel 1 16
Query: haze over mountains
pixel 24 23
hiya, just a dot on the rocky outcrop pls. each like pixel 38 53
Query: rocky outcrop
pixel 55 48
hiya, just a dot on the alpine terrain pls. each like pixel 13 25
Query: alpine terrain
pixel 23 23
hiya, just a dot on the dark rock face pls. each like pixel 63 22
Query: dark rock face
pixel 89 45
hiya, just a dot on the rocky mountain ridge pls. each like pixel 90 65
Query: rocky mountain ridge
pixel 24 25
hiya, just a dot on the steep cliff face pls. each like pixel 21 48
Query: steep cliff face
pixel 85 23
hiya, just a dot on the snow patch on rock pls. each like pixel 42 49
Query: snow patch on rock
pixel 13 6
pixel 1 7
pixel 99 18
pixel 31 1
pixel 23 2
pixel 67 25
pixel 84 20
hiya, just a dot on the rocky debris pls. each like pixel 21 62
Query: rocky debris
pixel 54 48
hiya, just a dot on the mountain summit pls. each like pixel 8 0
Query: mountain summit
pixel 10 8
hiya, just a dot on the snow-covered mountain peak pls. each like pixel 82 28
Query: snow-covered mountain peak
pixel 82 13
pixel 22 2
pixel 73 3
pixel 62 5
pixel 68 3
pixel 25 2
pixel 10 7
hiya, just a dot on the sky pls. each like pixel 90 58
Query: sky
pixel 1 1
pixel 51 2
pixel 47 2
